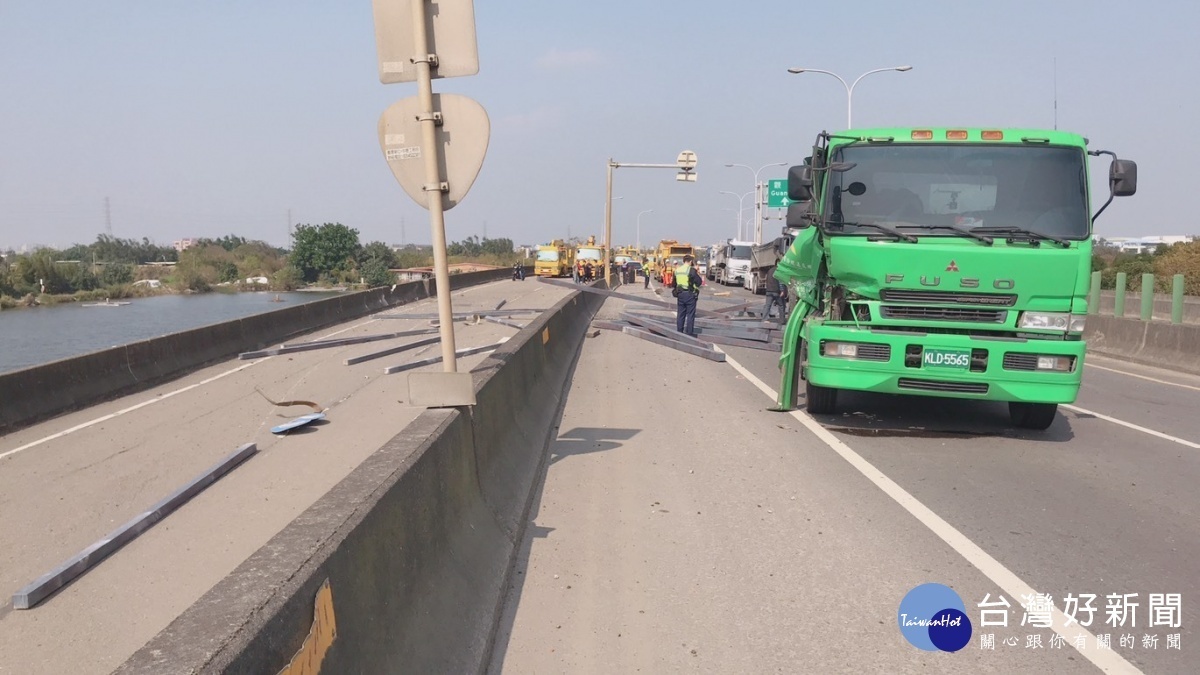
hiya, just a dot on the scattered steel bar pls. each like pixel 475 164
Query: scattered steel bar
pixel 501 303
pixel 504 322
pixel 710 354
pixel 667 331
pixel 326 344
pixel 610 325
pixel 624 296
pixel 464 315
pixel 394 350
pixel 437 359
pixel 749 344
pixel 91 556
pixel 705 330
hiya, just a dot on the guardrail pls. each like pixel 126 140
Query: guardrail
pixel 1176 307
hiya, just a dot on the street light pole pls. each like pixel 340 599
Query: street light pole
pixel 849 87
pixel 741 209
pixel 639 229
pixel 757 197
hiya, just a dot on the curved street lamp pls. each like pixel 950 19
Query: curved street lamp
pixel 639 229
pixel 741 209
pixel 849 87
pixel 757 200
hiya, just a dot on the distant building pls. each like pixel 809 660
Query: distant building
pixel 184 244
pixel 1144 244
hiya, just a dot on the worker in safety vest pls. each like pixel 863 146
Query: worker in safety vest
pixel 687 281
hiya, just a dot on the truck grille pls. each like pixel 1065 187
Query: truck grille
pixel 943 314
pixel 950 297
pixel 870 352
pixel 1013 361
pixel 937 385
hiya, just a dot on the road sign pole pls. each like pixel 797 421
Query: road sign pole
pixel 608 227
pixel 433 187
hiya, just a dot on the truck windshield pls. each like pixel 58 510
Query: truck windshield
pixel 548 256
pixel 1040 188
pixel 587 254
pixel 740 252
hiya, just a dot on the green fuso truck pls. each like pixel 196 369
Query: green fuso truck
pixel 947 262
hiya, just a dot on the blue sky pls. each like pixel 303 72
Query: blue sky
pixel 208 118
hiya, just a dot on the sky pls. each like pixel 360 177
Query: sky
pixel 200 119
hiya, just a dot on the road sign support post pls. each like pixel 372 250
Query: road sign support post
pixel 685 164
pixel 433 186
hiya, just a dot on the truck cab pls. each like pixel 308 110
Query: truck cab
pixel 942 262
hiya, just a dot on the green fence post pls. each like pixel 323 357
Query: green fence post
pixel 1119 303
pixel 1147 296
pixel 1094 296
pixel 1177 299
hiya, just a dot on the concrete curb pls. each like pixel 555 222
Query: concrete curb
pixel 41 392
pixel 1152 343
pixel 416 544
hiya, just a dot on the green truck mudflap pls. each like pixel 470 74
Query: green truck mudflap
pixel 944 365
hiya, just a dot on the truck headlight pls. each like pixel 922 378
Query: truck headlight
pixel 842 349
pixel 1078 322
pixel 1045 320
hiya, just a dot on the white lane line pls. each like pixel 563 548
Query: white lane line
pixel 1143 377
pixel 1106 660
pixel 1131 425
pixel 163 397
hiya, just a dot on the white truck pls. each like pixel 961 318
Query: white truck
pixel 731 263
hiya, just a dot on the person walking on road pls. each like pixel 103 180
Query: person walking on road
pixel 687 291
pixel 646 273
pixel 774 297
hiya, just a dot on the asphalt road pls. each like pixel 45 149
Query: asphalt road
pixel 682 526
pixel 68 482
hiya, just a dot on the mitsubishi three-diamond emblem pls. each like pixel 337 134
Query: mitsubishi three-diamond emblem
pixel 952 267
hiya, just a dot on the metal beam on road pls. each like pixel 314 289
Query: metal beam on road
pixel 91 556
pixel 706 327
pixel 437 359
pixel 503 322
pixel 666 331
pixel 710 354
pixel 326 344
pixel 394 350
pixel 623 296
pixel 464 315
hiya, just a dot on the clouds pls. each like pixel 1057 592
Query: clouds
pixel 536 119
pixel 569 59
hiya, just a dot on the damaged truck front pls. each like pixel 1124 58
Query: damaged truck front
pixel 942 262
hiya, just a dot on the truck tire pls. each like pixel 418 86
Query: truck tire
pixel 1037 416
pixel 819 400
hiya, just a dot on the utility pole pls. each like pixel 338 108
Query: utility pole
pixel 108 217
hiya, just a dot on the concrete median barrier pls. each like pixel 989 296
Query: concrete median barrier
pixel 1153 343
pixel 409 556
pixel 40 392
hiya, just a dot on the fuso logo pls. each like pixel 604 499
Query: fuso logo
pixel 944 359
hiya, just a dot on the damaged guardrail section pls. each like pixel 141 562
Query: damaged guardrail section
pixel 39 392
pixel 402 566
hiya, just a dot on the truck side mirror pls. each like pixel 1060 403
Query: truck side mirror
pixel 800 184
pixel 798 215
pixel 1122 175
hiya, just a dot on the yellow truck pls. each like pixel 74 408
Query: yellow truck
pixel 554 259
pixel 669 256
pixel 592 253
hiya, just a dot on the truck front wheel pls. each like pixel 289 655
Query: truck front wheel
pixel 1032 415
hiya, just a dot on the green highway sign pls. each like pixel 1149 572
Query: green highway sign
pixel 777 194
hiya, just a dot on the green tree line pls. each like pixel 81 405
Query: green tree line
pixel 1164 262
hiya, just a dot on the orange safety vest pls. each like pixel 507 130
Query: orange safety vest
pixel 668 276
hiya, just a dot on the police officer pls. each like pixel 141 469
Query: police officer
pixel 688 281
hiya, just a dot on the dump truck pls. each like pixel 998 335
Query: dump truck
pixel 553 260
pixel 942 262
pixel 669 256
pixel 763 258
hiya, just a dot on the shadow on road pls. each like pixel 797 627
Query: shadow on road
pixel 586 440
pixel 866 414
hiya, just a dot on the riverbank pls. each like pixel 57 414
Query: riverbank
pixel 133 291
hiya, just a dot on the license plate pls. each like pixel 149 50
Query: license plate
pixel 946 358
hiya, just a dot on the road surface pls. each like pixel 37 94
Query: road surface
pixel 684 527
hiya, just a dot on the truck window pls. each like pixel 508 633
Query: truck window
pixel 1035 187
pixel 740 252
pixel 547 256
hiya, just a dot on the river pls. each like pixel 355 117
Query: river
pixel 30 337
